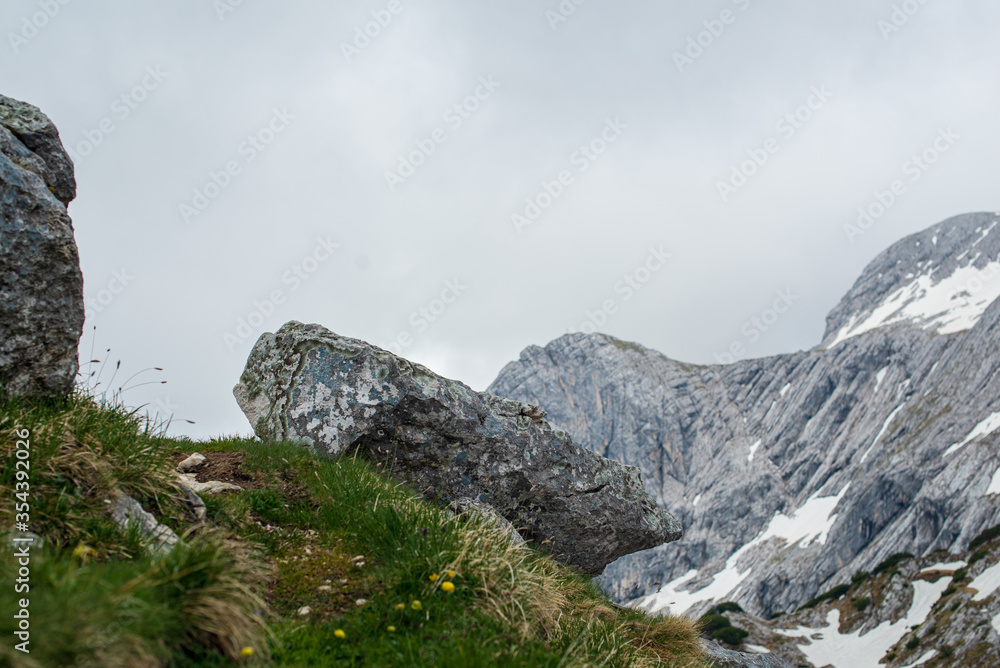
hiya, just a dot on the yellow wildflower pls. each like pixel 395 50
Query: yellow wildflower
pixel 401 606
pixel 84 552
pixel 246 651
pixel 447 587
pixel 451 574
pixel 416 605
pixel 390 629
pixel 340 634
pixel 434 577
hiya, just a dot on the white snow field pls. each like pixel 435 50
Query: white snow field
pixel 952 304
pixel 810 522
pixel 863 650
pixel 986 583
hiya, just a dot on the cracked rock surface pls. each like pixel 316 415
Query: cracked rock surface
pixel 448 442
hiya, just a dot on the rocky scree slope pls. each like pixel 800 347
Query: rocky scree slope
pixel 940 610
pixel 793 472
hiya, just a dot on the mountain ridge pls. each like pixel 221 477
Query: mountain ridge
pixel 851 434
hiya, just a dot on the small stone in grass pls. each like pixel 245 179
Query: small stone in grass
pixel 304 610
pixel 192 463
pixel 360 602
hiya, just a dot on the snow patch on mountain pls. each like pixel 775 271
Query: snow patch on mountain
pixel 986 583
pixel 994 487
pixel 885 426
pixel 811 522
pixel 987 426
pixel 946 306
pixel 829 647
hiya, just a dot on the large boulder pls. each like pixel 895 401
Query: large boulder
pixel 448 442
pixel 41 287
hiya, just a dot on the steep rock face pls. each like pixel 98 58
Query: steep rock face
pixel 448 443
pixel 41 286
pixel 790 473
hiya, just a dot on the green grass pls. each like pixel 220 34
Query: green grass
pixel 435 589
pixel 830 595
pixel 890 562
pixel 985 537
pixel 718 627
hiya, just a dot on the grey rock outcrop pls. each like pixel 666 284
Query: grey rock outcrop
pixel 727 658
pixel 41 286
pixel 447 442
pixel 39 135
pixel 791 473
pixel 128 513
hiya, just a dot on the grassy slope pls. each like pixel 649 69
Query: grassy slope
pixel 368 557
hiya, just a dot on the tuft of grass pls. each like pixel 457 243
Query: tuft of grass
pixel 891 562
pixel 718 627
pixel 81 454
pixel 99 597
pixel 193 601
pixel 977 555
pixel 831 595
pixel 986 536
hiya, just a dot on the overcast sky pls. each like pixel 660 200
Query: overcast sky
pixel 231 152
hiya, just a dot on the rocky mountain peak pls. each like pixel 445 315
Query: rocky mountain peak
pixel 940 280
